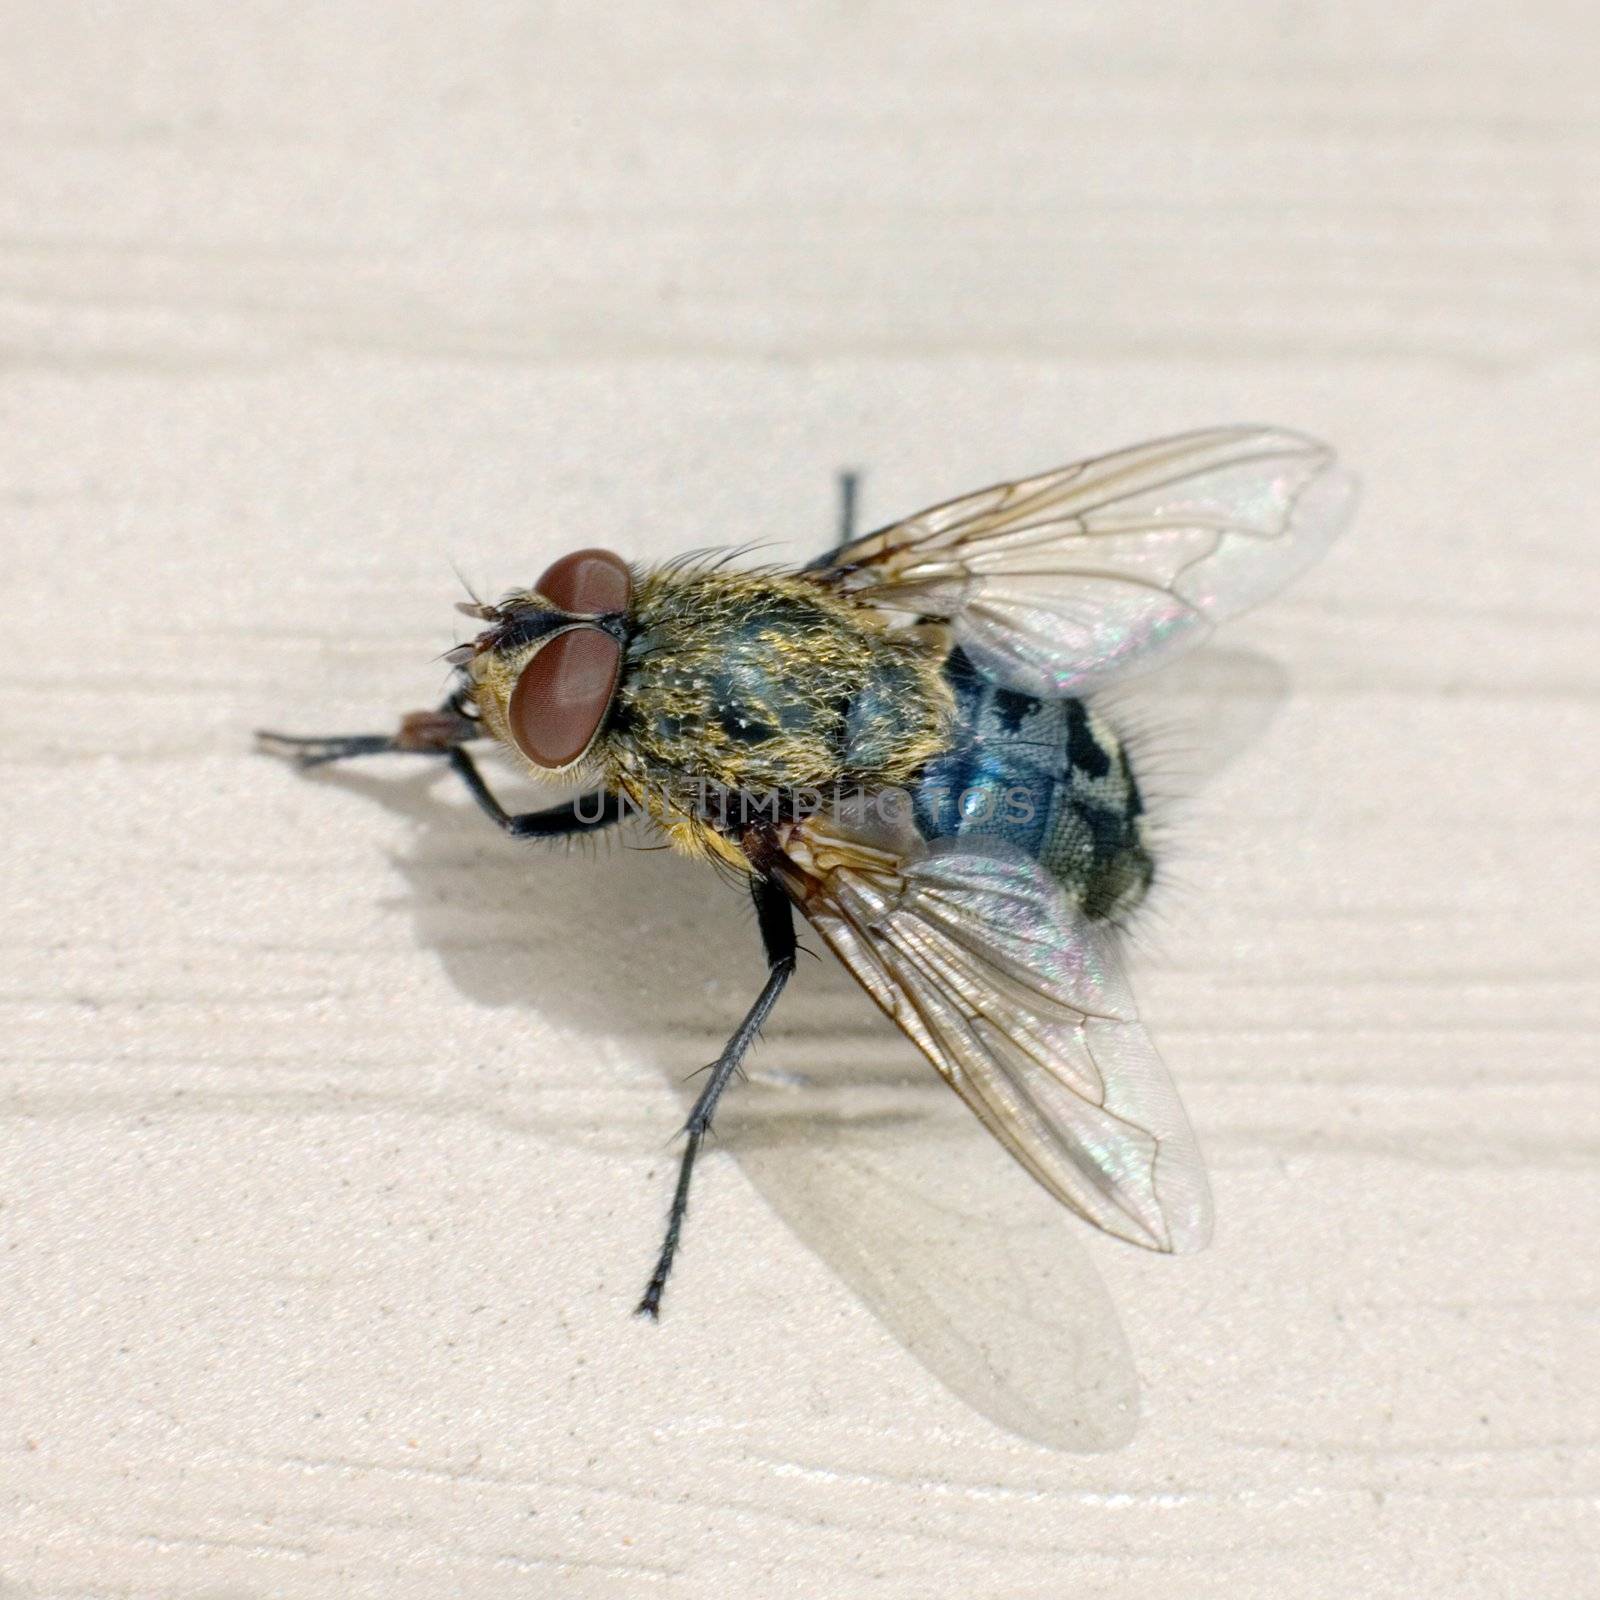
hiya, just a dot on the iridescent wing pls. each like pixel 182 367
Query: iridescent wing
pixel 1057 584
pixel 1018 1000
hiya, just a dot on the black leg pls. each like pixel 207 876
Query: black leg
pixel 849 482
pixel 421 733
pixel 776 919
pixel 442 733
pixel 583 815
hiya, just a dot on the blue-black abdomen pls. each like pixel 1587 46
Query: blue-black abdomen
pixel 1046 777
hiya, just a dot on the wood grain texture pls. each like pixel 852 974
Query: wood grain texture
pixel 334 1129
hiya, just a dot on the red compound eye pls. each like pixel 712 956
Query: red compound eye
pixel 589 582
pixel 563 695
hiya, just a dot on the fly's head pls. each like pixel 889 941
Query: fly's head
pixel 546 669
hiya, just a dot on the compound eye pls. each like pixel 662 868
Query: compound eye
pixel 563 695
pixel 588 582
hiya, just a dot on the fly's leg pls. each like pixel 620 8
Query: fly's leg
pixel 776 920
pixel 442 733
pixel 583 815
pixel 849 482
pixel 422 733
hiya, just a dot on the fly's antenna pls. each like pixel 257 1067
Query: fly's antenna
pixel 472 594
pixel 459 655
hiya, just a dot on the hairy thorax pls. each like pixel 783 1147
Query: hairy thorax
pixel 760 685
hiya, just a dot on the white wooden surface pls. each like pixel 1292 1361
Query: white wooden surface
pixel 335 1129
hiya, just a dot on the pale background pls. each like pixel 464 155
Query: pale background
pixel 336 1128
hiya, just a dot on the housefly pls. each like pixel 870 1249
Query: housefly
pixel 897 740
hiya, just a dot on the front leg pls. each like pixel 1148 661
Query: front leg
pixel 583 815
pixel 776 919
pixel 421 733
pixel 442 733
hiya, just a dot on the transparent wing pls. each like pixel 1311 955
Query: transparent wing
pixel 1019 1002
pixel 1060 583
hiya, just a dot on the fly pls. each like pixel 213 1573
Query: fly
pixel 897 740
